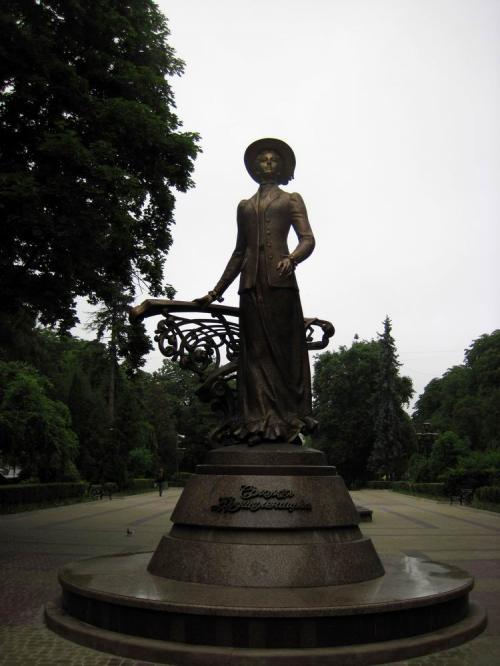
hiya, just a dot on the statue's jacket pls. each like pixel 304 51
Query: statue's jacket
pixel 264 223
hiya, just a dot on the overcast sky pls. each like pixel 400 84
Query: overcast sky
pixel 393 110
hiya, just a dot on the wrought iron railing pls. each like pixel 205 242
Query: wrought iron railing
pixel 205 339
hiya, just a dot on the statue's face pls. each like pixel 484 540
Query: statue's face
pixel 268 165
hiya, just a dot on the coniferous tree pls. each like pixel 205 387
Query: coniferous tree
pixel 394 437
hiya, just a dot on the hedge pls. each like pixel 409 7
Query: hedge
pixel 139 486
pixel 488 494
pixel 401 485
pixel 38 493
pixel 432 489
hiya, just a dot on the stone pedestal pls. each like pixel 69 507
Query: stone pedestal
pixel 265 564
pixel 273 517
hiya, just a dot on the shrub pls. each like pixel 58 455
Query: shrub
pixel 488 494
pixel 481 468
pixel 419 469
pixel 37 493
pixel 140 485
pixel 455 479
pixel 401 485
pixel 379 485
pixel 433 489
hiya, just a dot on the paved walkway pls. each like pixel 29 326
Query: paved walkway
pixel 36 544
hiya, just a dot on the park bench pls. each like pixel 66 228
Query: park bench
pixel 462 495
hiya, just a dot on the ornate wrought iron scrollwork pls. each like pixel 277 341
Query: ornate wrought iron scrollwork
pixel 327 329
pixel 209 345
pixel 196 344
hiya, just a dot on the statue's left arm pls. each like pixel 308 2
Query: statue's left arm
pixel 301 226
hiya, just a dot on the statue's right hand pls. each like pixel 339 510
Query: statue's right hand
pixel 204 300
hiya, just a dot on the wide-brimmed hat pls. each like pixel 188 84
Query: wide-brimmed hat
pixel 283 150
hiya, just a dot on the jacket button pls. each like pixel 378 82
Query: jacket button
pixel 270 256
pixel 268 232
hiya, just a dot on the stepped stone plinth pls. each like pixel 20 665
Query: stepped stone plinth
pixel 265 564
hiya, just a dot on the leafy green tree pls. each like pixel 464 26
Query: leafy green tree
pixel 419 469
pixel 154 413
pixel 35 430
pixel 394 436
pixel 446 452
pixel 191 418
pixel 77 372
pixel 452 461
pixel 91 151
pixel 158 400
pixel 478 468
pixel 344 389
pixel 141 462
pixel 438 402
pixel 466 399
pixel 483 360
pixel 348 387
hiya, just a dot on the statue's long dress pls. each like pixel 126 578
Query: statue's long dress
pixel 274 379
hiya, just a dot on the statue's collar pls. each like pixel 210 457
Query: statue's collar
pixel 264 188
pixel 266 193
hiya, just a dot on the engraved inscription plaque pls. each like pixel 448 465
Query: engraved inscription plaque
pixel 255 499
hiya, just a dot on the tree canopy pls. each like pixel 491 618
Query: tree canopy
pixel 35 430
pixel 90 151
pixel 344 387
pixel 54 414
pixel 466 399
pixel 350 388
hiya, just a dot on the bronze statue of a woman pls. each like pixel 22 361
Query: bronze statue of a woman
pixel 274 380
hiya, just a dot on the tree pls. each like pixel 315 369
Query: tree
pixel 35 430
pixel 141 462
pixel 394 436
pixel 75 373
pixel 466 399
pixel 189 418
pixel 483 360
pixel 446 452
pixel 438 402
pixel 358 397
pixel 344 389
pixel 158 400
pixel 90 153
pixel 153 413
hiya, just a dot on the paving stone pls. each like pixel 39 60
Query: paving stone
pixel 36 544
